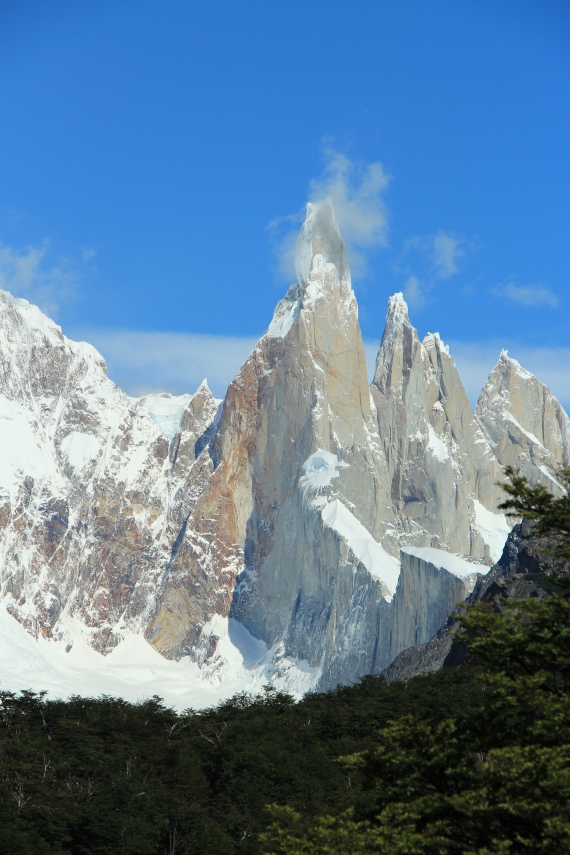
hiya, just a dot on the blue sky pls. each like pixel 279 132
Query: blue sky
pixel 156 158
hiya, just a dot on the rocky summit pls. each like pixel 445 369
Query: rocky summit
pixel 324 523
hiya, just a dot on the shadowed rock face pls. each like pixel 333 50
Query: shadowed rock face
pixel 285 508
pixel 523 571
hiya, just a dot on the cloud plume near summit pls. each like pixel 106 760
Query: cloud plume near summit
pixel 356 191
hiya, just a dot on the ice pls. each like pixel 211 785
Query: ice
pixel 493 528
pixel 320 256
pixel 166 411
pixel 376 560
pixel 286 313
pixel 457 565
pixel 510 418
pixel 319 470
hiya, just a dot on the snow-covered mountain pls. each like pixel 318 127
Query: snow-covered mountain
pixel 305 530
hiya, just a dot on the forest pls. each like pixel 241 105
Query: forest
pixel 473 759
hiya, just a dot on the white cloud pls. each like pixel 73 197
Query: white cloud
pixel 29 273
pixel 526 295
pixel 447 249
pixel 414 292
pixel 356 191
pixel 142 362
pixel 435 257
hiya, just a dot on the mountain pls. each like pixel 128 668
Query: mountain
pixel 305 530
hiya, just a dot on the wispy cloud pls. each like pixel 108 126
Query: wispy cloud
pixel 415 292
pixel 142 362
pixel 526 295
pixel 356 190
pixel 447 250
pixel 33 274
pixel 283 233
pixel 425 260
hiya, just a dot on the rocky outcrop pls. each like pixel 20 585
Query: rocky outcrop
pixel 297 434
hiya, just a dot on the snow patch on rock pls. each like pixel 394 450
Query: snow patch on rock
pixel 437 446
pixel 376 560
pixel 320 469
pixel 286 313
pixel 457 565
pixel 80 448
pixel 493 528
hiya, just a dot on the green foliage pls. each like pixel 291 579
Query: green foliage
pixel 104 776
pixel 552 514
pixel 491 779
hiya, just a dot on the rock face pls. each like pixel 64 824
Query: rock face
pixel 441 467
pixel 92 491
pixel 298 457
pixel 337 523
pixel 523 423
pixel 523 571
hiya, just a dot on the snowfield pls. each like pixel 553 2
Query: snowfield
pixel 135 671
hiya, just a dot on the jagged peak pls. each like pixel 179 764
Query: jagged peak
pixel 203 388
pixel 33 318
pixel 503 378
pixel 322 268
pixel 433 341
pixel 320 245
pixel 397 312
pixel 398 328
pixel 508 363
pixel 396 319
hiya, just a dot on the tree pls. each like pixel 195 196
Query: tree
pixel 550 513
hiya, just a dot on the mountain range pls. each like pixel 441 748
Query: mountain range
pixel 305 530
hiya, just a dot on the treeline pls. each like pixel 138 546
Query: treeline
pixel 474 759
pixel 90 776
